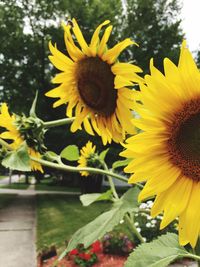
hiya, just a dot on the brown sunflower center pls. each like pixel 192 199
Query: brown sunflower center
pixel 184 143
pixel 95 82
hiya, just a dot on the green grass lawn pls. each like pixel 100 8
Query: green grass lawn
pixel 15 186
pixel 2 177
pixel 59 216
pixel 5 199
pixel 47 187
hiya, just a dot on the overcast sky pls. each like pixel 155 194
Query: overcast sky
pixel 191 23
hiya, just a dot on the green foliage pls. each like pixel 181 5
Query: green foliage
pixel 88 199
pixel 103 154
pixel 120 163
pixel 51 156
pixel 156 26
pixel 117 243
pixel 105 222
pixel 158 253
pixel 70 153
pixel 18 159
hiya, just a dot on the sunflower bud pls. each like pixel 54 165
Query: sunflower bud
pixel 32 131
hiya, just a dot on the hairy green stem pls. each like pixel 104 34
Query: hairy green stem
pixel 133 228
pixel 50 124
pixel 192 256
pixel 128 218
pixel 110 180
pixel 65 167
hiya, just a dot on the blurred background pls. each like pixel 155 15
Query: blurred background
pixel 26 27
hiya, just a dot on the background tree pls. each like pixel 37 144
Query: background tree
pixel 155 26
pixel 27 26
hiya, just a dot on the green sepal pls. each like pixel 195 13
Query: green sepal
pixel 32 112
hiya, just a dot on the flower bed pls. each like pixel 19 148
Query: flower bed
pixel 105 260
pixel 99 254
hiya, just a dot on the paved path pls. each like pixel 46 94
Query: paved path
pixel 17 232
pixel 17 228
pixel 38 192
pixel 15 179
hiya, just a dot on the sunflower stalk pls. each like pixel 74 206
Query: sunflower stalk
pixel 60 122
pixel 65 167
pixel 110 180
pixel 128 217
pixel 131 224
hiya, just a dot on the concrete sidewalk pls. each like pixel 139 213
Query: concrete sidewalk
pixel 17 232
pixel 36 192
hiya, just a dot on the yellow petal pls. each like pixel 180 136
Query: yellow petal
pixel 121 81
pixel 78 121
pixel 176 200
pixel 95 38
pixel 63 59
pixel 189 224
pixel 104 40
pixel 159 182
pixel 87 126
pixel 112 54
pixel 121 68
pixel 80 38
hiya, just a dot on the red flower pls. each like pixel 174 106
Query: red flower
pixel 96 247
pixel 85 256
pixel 73 252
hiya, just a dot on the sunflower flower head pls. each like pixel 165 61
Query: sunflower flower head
pixel 88 157
pixel 20 129
pixel 93 83
pixel 167 152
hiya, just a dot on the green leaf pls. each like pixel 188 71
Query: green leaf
pixel 104 222
pixel 120 163
pixel 70 152
pixel 103 154
pixel 88 199
pixel 159 253
pixel 51 156
pixel 18 159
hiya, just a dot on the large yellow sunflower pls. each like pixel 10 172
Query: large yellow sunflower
pixel 87 152
pixel 7 121
pixel 167 152
pixel 93 83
